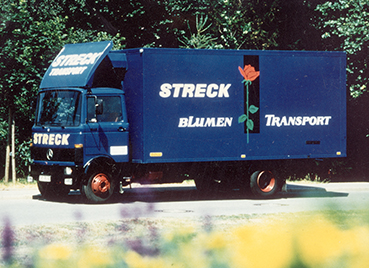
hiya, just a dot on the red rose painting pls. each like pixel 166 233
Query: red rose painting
pixel 249 74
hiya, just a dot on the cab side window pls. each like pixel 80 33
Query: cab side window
pixel 111 111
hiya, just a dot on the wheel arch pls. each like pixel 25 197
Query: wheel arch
pixel 100 162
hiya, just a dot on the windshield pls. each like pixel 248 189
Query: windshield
pixel 59 108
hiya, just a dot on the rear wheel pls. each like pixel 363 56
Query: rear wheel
pixel 264 183
pixel 99 187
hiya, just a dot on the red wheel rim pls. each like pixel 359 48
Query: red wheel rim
pixel 100 184
pixel 266 181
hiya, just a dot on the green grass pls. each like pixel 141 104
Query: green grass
pixel 308 179
pixel 20 183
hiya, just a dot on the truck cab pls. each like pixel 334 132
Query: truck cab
pixel 81 123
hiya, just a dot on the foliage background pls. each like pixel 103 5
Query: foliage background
pixel 33 31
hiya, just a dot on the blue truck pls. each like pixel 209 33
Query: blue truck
pixel 229 119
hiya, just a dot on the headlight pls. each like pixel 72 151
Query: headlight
pixel 68 171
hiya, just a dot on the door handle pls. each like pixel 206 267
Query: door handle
pixel 122 129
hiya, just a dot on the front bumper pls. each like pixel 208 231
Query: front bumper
pixel 56 174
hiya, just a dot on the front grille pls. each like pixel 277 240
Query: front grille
pixel 59 154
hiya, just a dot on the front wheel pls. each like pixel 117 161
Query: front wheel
pixel 264 183
pixel 99 187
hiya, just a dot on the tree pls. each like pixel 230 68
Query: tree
pixel 32 32
pixel 245 24
pixel 345 25
pixel 241 24
pixel 23 40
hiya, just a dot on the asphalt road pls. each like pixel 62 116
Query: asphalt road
pixel 26 206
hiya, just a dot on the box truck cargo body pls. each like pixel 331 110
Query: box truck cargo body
pixel 149 114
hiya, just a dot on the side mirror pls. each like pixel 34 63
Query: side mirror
pixel 99 106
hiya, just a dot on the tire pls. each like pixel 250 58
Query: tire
pixel 50 190
pixel 99 187
pixel 264 183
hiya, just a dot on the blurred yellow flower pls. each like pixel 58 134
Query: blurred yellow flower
pixel 91 256
pixel 272 242
pixel 320 243
pixel 358 246
pixel 262 245
pixel 214 241
pixel 135 260
pixel 54 255
pixel 55 252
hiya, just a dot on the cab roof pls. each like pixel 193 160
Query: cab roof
pixel 85 65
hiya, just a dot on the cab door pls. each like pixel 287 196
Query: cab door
pixel 107 128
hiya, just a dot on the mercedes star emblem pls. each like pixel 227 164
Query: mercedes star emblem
pixel 49 154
